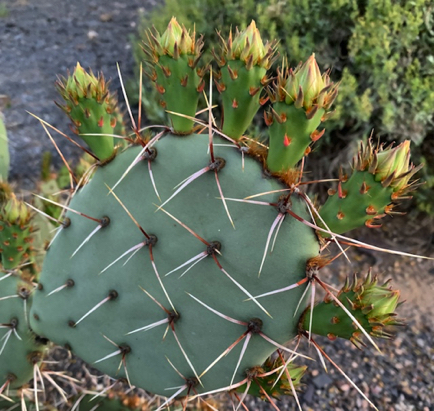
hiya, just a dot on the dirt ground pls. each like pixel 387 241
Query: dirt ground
pixel 42 39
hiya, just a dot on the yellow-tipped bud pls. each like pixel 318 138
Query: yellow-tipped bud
pixel 395 161
pixel 15 212
pixel 249 43
pixel 248 47
pixel 306 86
pixel 176 40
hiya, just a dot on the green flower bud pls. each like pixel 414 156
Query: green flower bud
pixel 176 40
pixel 396 162
pixel 306 86
pixel 249 43
pixel 15 212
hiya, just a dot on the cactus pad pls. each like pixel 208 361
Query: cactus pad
pixel 203 335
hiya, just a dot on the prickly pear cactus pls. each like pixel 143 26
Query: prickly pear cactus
pixel 20 348
pixel 185 257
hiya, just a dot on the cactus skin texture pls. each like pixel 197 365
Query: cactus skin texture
pixel 371 304
pixel 198 207
pixel 20 347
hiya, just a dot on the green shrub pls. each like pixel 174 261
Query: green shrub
pixel 382 49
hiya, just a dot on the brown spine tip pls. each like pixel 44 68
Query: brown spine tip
pixel 316 135
pixel 201 86
pixel 370 210
pixel 268 118
pixel 101 121
pixel 331 191
pixel 160 88
pixel 234 103
pixel 220 86
pixel 254 90
pixel 166 71
pixel 340 215
pixel 364 188
pixel 184 81
pixel 232 73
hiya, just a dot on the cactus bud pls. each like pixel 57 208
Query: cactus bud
pixel 306 81
pixel 15 212
pixel 248 44
pixel 176 40
pixel 394 163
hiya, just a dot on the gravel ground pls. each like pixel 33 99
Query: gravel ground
pixel 40 39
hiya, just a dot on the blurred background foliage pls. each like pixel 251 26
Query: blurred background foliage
pixel 381 50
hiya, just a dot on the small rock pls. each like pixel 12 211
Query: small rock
pixel 420 342
pixel 323 380
pixel 92 34
pixel 105 17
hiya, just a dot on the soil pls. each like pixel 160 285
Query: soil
pixel 42 39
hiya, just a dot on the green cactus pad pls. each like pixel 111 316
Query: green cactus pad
pixel 15 233
pixel 203 335
pixel 183 83
pixel 92 110
pixel 290 136
pixel 18 355
pixel 301 101
pixel 240 96
pixel 174 57
pixel 243 62
pixel 379 177
pixel 353 206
